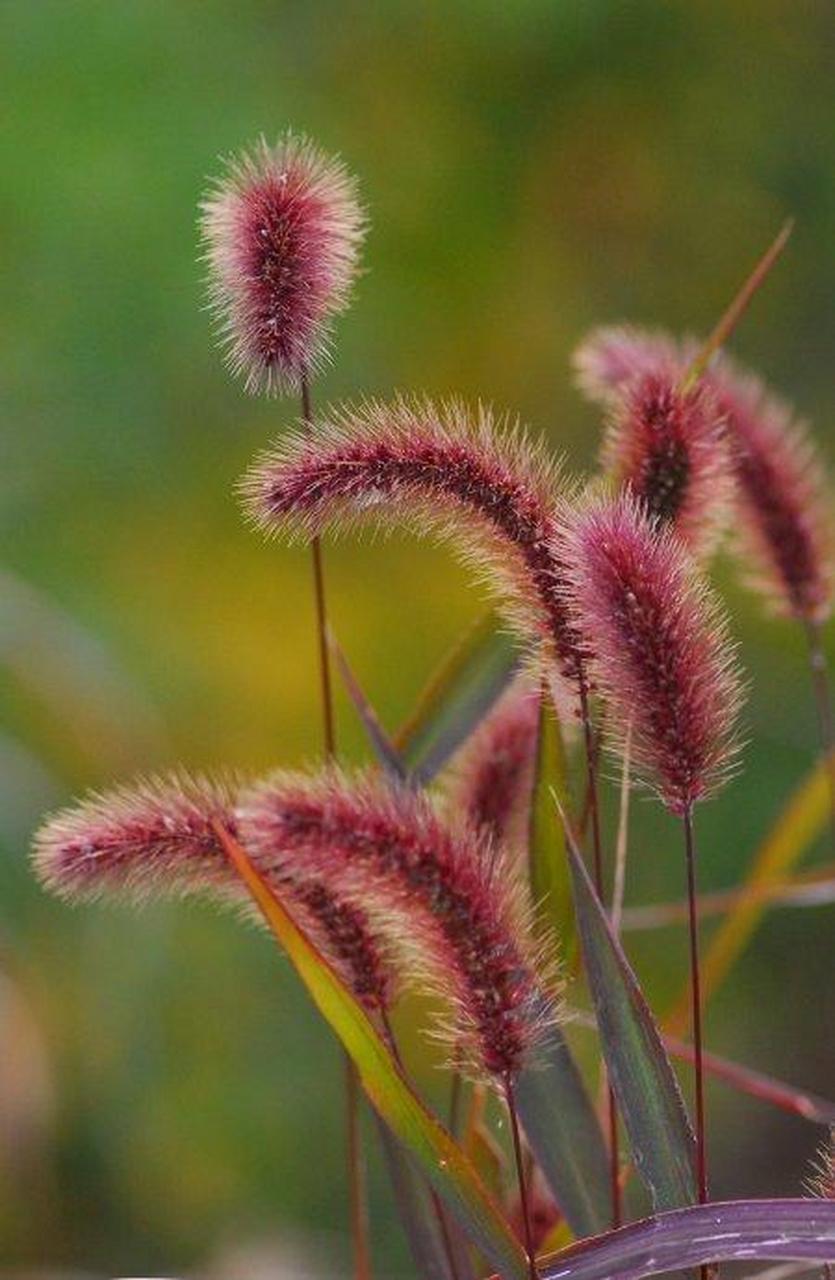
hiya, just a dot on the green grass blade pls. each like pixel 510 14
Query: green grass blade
pixel 445 1165
pixel 457 698
pixel 562 1128
pixel 549 875
pixel 644 1082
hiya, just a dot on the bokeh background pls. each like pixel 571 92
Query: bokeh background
pixel 168 1101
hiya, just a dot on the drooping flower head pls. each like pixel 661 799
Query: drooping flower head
pixel 158 838
pixel 491 778
pixel 453 909
pixel 784 531
pixel 282 231
pixel 661 653
pixel 667 444
pixel 484 487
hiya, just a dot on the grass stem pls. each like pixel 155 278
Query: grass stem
pixel 520 1174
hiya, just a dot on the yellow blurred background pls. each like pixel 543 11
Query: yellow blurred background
pixel 167 1098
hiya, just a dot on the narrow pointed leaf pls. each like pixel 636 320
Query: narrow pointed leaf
pixel 550 881
pixel 564 1133
pixel 457 698
pixel 414 1207
pixel 430 1145
pixel 736 1230
pixel 797 827
pixel 379 740
pixel 639 1069
pixel 814 888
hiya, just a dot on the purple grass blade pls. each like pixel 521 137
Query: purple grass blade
pixel 730 1231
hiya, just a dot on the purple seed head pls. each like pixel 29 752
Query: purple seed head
pixel 157 838
pixel 282 231
pixel 448 904
pixel 667 445
pixel 481 485
pixel 661 652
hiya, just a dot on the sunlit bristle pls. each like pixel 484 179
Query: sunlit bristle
pixel 821 1180
pixel 667 444
pixel 491 778
pixel 158 838
pixel 481 485
pixel 282 231
pixel 450 909
pixel 661 652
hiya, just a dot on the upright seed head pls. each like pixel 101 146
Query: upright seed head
pixel 158 838
pixel 448 905
pixel 661 652
pixel 667 445
pixel 484 487
pixel 491 778
pixel 282 230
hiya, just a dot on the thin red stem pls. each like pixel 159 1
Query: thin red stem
pixel 520 1174
pixel 823 705
pixel 590 740
pixel 695 987
pixel 357 1193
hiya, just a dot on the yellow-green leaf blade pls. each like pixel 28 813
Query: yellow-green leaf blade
pixel 445 1164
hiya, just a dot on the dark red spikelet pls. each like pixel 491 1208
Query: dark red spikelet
pixel 612 356
pixel 492 777
pixel 158 838
pixel 282 231
pixel 662 656
pixel 784 526
pixel 446 904
pixel 486 489
pixel 667 445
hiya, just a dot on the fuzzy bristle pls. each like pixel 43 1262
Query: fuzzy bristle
pixel 158 838
pixel 491 777
pixel 821 1180
pixel 667 445
pixel 610 357
pixel 483 486
pixel 450 907
pixel 661 652
pixel 282 231
pixel 785 529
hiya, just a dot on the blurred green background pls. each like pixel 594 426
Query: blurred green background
pixel 167 1099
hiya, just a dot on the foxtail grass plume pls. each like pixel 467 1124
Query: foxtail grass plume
pixel 784 530
pixel 158 838
pixel 782 506
pixel 661 652
pixel 667 444
pixel 491 778
pixel 281 229
pixel 453 909
pixel 483 486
